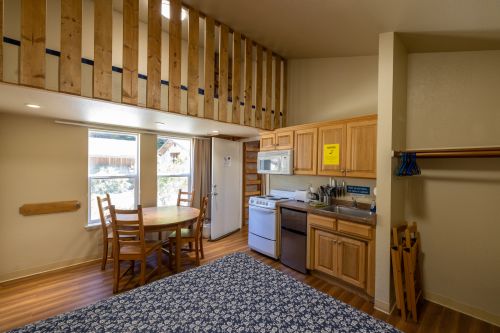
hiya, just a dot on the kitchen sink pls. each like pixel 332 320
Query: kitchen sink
pixel 352 211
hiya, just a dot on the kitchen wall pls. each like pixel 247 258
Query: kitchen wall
pixel 453 101
pixel 331 88
pixel 42 162
pixel 327 89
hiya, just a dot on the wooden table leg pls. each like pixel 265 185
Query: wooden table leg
pixel 178 247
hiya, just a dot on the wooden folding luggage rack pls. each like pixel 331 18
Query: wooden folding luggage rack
pixel 405 254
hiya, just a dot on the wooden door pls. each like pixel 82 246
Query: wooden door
pixel 305 151
pixel 325 252
pixel 332 135
pixel 361 149
pixel 284 140
pixel 267 142
pixel 352 261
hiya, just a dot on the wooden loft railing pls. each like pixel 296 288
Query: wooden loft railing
pixel 270 112
pixel 453 152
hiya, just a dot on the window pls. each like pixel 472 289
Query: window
pixel 174 169
pixel 113 168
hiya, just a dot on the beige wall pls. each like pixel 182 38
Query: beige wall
pixel 331 88
pixel 454 101
pixel 41 161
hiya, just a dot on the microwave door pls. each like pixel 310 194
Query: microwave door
pixel 270 164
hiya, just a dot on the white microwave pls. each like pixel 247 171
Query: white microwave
pixel 276 162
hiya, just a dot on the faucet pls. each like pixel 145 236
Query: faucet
pixel 354 202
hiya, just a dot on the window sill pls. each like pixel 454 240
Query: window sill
pixel 90 227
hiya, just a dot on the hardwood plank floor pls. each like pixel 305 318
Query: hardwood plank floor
pixel 35 298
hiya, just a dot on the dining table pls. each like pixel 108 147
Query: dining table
pixel 170 218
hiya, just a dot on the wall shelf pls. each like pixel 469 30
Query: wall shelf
pixel 453 152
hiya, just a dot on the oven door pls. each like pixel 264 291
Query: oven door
pixel 262 222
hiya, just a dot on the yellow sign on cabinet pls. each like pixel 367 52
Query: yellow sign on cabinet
pixel 331 154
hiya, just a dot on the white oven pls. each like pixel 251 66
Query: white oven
pixel 278 162
pixel 262 231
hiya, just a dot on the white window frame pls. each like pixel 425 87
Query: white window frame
pixel 90 178
pixel 188 175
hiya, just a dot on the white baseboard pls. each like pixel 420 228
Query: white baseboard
pixel 463 308
pixel 382 306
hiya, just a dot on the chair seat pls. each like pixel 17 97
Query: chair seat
pixel 185 233
pixel 150 245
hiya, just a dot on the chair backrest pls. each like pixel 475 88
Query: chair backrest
pixel 104 205
pixel 201 216
pixel 128 223
pixel 186 197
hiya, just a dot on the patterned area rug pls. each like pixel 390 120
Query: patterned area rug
pixel 234 294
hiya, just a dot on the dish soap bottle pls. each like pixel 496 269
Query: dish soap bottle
pixel 373 207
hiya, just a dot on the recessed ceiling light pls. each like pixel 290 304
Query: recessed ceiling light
pixel 33 106
pixel 215 132
pixel 160 123
pixel 165 10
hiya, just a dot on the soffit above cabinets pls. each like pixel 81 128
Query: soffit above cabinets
pixel 328 28
pixel 54 105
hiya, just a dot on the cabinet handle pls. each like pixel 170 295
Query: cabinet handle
pixel 340 242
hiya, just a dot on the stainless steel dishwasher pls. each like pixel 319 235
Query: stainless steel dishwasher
pixel 294 239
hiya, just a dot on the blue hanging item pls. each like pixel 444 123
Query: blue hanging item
pixel 408 165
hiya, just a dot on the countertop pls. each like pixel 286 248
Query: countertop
pixel 302 206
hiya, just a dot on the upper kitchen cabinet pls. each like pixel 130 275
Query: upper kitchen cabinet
pixel 361 157
pixel 277 140
pixel 305 151
pixel 331 150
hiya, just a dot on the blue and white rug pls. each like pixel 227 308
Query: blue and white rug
pixel 236 293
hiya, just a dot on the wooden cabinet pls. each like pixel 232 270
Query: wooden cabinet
pixel 361 158
pixel 351 261
pixel 276 141
pixel 267 141
pixel 341 249
pixel 325 252
pixel 332 135
pixel 305 151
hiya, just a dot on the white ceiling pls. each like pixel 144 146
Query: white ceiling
pixel 66 107
pixel 327 28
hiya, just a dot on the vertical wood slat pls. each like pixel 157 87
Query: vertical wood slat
pixel 269 89
pixel 32 54
pixel 70 63
pixel 223 71
pixel 193 65
pixel 153 85
pixel 285 94
pixel 277 93
pixel 130 51
pixel 174 57
pixel 209 67
pixel 248 82
pixel 258 87
pixel 103 16
pixel 236 77
pixel 1 41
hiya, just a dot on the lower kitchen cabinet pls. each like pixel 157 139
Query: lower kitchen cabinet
pixel 352 261
pixel 343 255
pixel 325 252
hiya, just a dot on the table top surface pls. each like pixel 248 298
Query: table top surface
pixel 168 216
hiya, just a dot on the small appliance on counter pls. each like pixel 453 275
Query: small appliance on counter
pixel 302 196
pixel 263 222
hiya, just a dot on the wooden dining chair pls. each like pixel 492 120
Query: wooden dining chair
pixel 183 199
pixel 194 235
pixel 129 223
pixel 107 232
pixel 187 197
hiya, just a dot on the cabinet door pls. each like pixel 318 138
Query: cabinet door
pixel 284 140
pixel 361 149
pixel 325 252
pixel 331 135
pixel 352 261
pixel 267 142
pixel 305 151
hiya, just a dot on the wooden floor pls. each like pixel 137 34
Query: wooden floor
pixel 31 299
